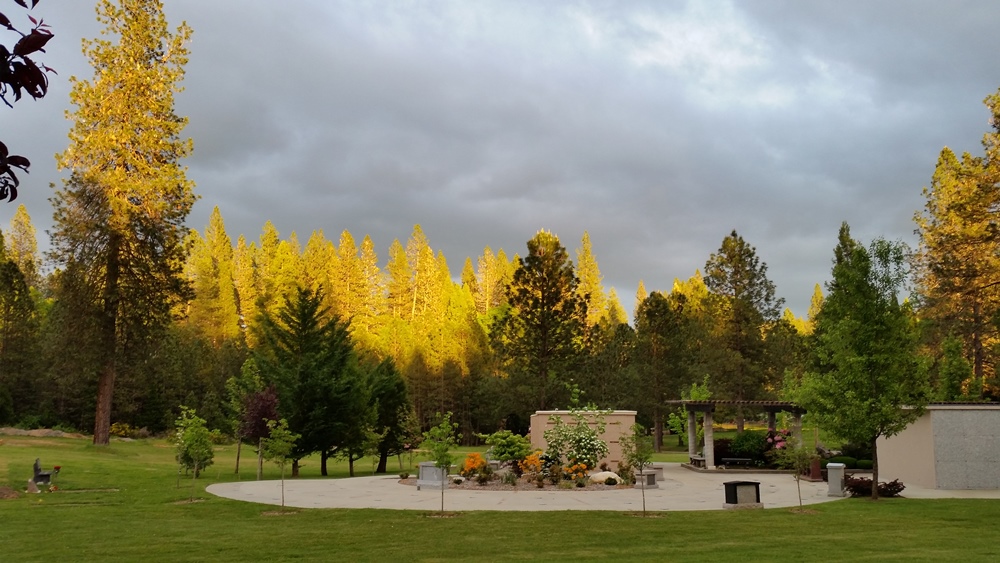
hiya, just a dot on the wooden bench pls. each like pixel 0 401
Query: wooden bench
pixel 43 477
pixel 736 461
pixel 698 461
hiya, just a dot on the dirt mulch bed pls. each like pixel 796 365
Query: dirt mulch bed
pixel 8 493
pixel 522 485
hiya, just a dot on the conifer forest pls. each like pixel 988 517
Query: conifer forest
pixel 133 313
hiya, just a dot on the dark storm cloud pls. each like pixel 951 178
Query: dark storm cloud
pixel 657 127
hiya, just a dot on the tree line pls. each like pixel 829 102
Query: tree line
pixel 141 314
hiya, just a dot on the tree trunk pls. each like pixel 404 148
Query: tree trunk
pixel 282 484
pixel 350 464
pixel 383 460
pixel 260 459
pixel 295 468
pixel 739 422
pixel 658 434
pixel 875 469
pixel 109 343
pixel 323 456
pixel 239 445
pixel 193 477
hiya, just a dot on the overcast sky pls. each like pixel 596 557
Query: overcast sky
pixel 658 127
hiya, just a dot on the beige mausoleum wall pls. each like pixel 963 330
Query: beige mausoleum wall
pixel 616 424
pixel 909 455
pixel 952 446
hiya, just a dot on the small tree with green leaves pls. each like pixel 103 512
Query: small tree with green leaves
pixel 796 457
pixel 278 446
pixel 194 444
pixel 440 440
pixel 637 452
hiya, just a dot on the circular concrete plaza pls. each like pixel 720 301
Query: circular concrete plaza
pixel 680 489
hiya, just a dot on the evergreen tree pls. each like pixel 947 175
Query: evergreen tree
pixel 393 411
pixel 22 246
pixel 664 355
pixel 540 338
pixel 738 279
pixel 214 311
pixel 120 214
pixel 245 280
pixel 590 288
pixel 957 262
pixel 640 295
pixel 868 380
pixel 307 354
pixel 18 341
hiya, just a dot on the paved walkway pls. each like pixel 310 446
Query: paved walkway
pixel 681 489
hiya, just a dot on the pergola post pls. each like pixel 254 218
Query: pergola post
pixel 771 425
pixel 692 434
pixel 709 441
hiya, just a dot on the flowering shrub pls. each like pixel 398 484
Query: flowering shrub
pixel 577 472
pixel 473 465
pixel 778 439
pixel 577 443
pixel 531 466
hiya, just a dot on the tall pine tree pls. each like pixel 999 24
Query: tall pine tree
pixel 120 214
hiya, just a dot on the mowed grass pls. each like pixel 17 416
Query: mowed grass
pixel 148 518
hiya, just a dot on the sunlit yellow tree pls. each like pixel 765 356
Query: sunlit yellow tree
pixel 120 214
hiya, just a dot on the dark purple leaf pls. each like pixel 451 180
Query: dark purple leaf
pixel 34 41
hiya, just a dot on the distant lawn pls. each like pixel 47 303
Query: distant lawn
pixel 149 519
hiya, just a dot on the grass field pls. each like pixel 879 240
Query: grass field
pixel 122 503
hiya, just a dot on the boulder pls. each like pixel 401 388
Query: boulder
pixel 602 476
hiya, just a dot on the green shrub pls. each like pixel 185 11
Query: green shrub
pixel 750 443
pixel 865 464
pixel 849 462
pixel 857 451
pixel 611 481
pixel 508 448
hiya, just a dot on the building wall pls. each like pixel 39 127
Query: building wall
pixel 909 455
pixel 617 423
pixel 950 447
pixel 967 447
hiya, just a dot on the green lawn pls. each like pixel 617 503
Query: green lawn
pixel 147 518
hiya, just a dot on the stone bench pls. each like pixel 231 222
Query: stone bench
pixel 727 461
pixel 698 461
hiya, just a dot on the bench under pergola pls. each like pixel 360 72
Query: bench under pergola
pixel 707 408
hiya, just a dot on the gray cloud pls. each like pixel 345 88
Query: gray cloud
pixel 657 127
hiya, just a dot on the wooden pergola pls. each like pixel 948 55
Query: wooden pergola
pixel 707 408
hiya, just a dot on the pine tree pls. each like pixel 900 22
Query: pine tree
pixel 640 295
pixel 541 336
pixel 18 341
pixel 120 215
pixel 957 262
pixel 319 266
pixel 738 280
pixel 245 279
pixel 22 246
pixel 214 311
pixel 308 355
pixel 590 289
